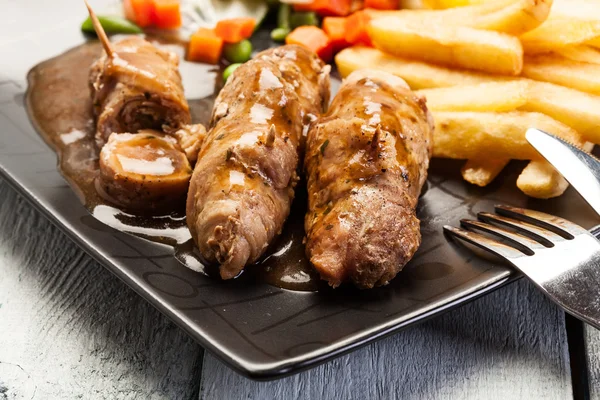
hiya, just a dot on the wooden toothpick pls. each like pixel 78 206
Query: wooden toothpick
pixel 100 31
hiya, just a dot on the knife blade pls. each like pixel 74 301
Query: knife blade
pixel 580 169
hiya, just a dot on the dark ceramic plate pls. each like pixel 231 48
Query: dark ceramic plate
pixel 261 330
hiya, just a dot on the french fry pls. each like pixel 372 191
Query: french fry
pixel 541 180
pixel 442 4
pixel 453 46
pixel 417 74
pixel 594 43
pixel 583 10
pixel 491 96
pixel 468 135
pixel 557 69
pixel 560 32
pixel 575 9
pixel 582 53
pixel 482 172
pixel 572 107
pixel 514 17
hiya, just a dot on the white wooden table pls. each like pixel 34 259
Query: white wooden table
pixel 69 329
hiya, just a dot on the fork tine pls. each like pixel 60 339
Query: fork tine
pixel 561 226
pixel 523 243
pixel 484 242
pixel 546 237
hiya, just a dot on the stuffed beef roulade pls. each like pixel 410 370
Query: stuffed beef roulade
pixel 137 86
pixel 243 182
pixel 366 162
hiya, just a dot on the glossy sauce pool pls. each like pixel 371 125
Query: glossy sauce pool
pixel 59 105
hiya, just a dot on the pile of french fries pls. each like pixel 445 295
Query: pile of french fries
pixel 492 69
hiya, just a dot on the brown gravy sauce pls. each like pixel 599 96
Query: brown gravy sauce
pixel 59 105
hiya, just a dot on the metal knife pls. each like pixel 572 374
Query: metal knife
pixel 581 169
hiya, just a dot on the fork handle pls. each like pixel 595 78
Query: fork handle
pixel 577 289
pixel 578 292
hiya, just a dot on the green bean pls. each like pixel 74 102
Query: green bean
pixel 111 24
pixel 229 70
pixel 283 16
pixel 304 18
pixel 279 34
pixel 238 52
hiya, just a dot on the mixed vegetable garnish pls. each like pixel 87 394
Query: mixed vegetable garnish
pixel 327 26
pixel 323 26
pixel 228 39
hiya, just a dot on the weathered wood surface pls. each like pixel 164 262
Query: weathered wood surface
pixel 70 329
pixel 592 347
pixel 510 344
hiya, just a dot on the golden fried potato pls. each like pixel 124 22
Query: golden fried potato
pixel 560 32
pixel 541 180
pixel 575 9
pixel 483 171
pixel 442 4
pixel 517 18
pixel 452 46
pixel 418 74
pixel 559 70
pixel 572 107
pixel 514 17
pixel 469 135
pixel 594 43
pixel 492 96
pixel 582 53
pixel 581 10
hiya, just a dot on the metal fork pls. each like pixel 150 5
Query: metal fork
pixel 560 257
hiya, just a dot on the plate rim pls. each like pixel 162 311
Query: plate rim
pixel 260 371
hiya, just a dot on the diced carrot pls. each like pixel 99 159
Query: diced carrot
pixel 383 4
pixel 312 38
pixel 356 28
pixel 326 7
pixel 139 11
pixel 205 46
pixel 166 14
pixel 335 28
pixel 236 29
